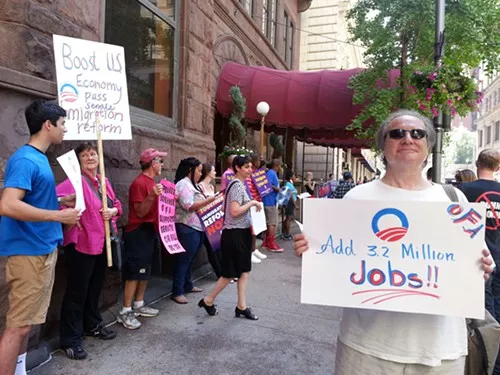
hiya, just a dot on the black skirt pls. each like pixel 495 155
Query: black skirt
pixel 236 247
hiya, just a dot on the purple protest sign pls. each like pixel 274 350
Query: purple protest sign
pixel 261 182
pixel 166 218
pixel 212 219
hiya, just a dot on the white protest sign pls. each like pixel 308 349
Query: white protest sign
pixel 71 166
pixel 91 83
pixel 258 220
pixel 415 257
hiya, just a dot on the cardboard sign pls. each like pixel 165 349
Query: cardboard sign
pixel 71 166
pixel 261 182
pixel 324 190
pixel 166 219
pixel 212 220
pixel 91 85
pixel 414 257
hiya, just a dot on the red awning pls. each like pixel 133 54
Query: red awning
pixel 319 102
pixel 297 99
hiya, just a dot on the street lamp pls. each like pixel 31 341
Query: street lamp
pixel 263 110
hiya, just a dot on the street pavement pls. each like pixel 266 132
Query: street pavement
pixel 289 338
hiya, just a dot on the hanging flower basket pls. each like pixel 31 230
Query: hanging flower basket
pixel 445 89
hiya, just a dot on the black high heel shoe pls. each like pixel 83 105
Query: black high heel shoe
pixel 247 313
pixel 211 310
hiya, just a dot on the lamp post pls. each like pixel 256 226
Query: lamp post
pixel 437 152
pixel 263 110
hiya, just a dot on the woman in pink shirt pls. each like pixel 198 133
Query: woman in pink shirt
pixel 85 258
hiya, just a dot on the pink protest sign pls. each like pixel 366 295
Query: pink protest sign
pixel 166 218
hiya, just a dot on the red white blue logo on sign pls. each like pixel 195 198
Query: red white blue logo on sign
pixel 68 93
pixel 390 234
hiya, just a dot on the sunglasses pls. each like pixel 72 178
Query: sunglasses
pixel 401 133
pixel 158 161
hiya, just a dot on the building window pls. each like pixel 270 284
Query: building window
pixel 146 29
pixel 488 135
pixel 272 20
pixel 288 39
pixel 495 99
pixel 247 5
pixel 166 6
pixel 497 131
pixel 480 138
pixel 265 16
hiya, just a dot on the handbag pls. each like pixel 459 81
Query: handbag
pixel 483 336
pixel 116 243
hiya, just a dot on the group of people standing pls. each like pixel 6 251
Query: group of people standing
pixel 38 218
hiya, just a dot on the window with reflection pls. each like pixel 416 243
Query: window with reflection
pixel 248 5
pixel 166 6
pixel 149 43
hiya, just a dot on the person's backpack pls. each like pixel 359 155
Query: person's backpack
pixel 483 335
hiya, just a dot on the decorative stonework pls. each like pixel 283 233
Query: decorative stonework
pixel 226 48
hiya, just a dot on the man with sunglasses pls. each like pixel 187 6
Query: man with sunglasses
pixel 141 238
pixel 378 342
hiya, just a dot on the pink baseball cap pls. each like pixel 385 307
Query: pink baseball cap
pixel 149 154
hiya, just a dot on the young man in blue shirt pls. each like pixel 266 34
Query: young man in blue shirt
pixel 30 231
pixel 271 209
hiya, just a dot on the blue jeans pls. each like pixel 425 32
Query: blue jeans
pixel 191 240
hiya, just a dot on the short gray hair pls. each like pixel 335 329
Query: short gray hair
pixel 429 127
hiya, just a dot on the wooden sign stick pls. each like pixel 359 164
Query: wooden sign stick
pixel 104 195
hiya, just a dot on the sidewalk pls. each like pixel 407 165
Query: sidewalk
pixel 289 338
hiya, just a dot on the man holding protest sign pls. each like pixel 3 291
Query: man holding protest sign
pixel 378 342
pixel 141 238
pixel 30 231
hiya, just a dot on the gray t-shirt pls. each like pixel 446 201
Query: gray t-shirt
pixel 237 193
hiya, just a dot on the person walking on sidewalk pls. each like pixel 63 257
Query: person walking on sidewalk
pixel 188 226
pixel 270 207
pixel 30 231
pixel 236 241
pixel 141 238
pixel 85 258
pixel 372 341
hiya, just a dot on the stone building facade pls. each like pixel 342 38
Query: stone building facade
pixel 174 51
pixel 488 121
pixel 324 45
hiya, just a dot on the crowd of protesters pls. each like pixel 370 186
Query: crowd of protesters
pixel 39 217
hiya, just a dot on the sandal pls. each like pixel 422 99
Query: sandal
pixel 181 300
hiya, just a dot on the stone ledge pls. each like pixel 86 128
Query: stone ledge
pixel 27 84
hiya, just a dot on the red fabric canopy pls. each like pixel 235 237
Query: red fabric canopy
pixel 297 99
pixel 314 106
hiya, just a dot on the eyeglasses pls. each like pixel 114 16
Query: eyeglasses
pixel 158 161
pixel 401 133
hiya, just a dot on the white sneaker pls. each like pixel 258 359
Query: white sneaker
pixel 259 255
pixel 255 259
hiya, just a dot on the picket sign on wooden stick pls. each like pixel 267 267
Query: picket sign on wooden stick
pixel 104 194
